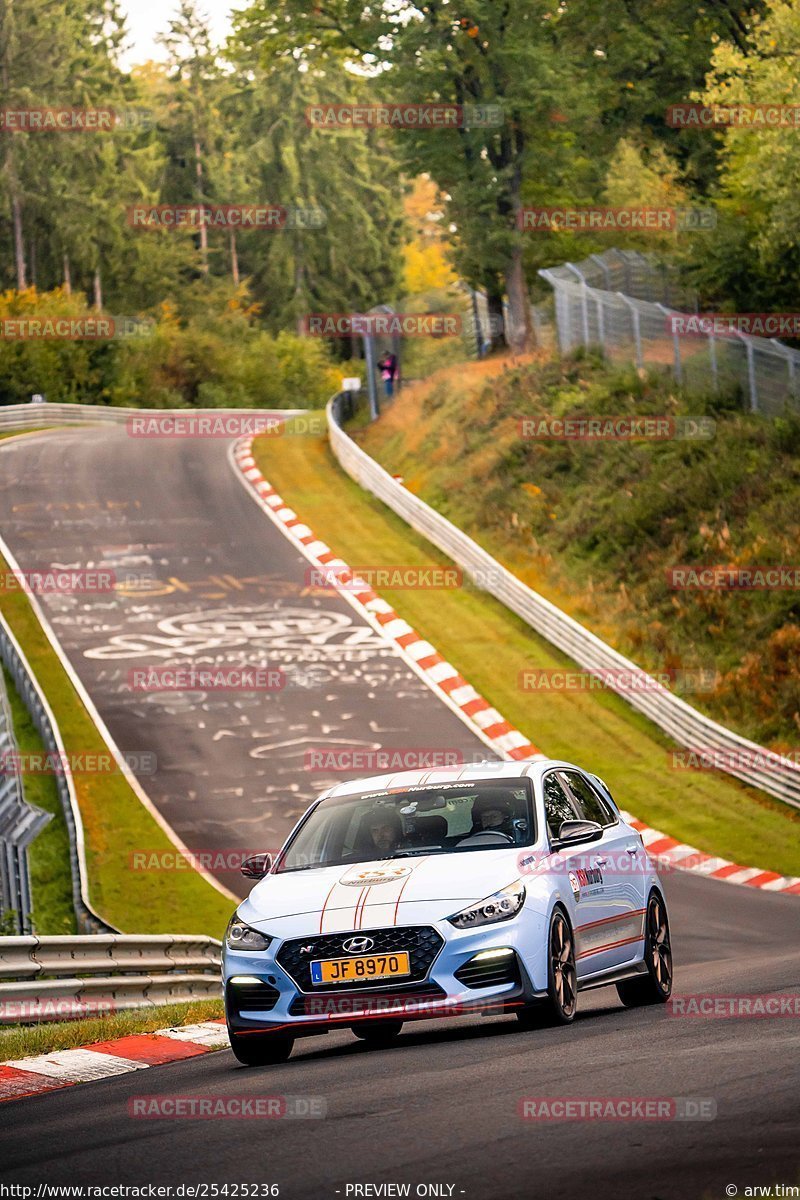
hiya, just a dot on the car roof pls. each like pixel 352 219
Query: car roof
pixel 531 768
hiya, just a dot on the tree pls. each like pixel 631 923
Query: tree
pixel 484 54
pixel 427 266
pixel 196 77
pixel 754 261
pixel 352 260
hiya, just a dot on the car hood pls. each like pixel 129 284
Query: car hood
pixel 374 893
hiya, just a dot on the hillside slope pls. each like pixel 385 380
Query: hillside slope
pixel 596 525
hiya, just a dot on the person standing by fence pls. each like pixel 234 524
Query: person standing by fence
pixel 388 369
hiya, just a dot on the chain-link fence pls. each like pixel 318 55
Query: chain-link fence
pixel 625 303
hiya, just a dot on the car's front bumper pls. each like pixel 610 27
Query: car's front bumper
pixel 261 994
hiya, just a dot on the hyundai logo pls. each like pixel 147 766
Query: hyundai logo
pixel 359 945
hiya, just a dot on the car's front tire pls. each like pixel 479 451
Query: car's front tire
pixel 656 986
pixel 377 1034
pixel 261 1049
pixel 562 979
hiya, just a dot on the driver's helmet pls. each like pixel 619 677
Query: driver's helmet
pixel 489 813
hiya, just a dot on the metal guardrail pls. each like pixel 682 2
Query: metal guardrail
pixel 19 669
pixel 47 978
pixel 33 416
pixel 20 822
pixel 689 728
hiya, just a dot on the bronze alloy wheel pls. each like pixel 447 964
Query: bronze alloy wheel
pixel 656 986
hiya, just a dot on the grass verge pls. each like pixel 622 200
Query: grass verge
pixel 21 1041
pixel 490 646
pixel 23 432
pixel 115 821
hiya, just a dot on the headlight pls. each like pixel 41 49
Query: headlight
pixel 239 936
pixel 499 907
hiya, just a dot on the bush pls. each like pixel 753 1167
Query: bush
pixel 211 358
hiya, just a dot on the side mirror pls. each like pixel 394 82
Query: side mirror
pixel 257 866
pixel 573 833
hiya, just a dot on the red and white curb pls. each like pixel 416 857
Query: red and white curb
pixel 669 853
pixel 450 686
pixel 135 1052
pixel 440 675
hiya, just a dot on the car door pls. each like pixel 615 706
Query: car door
pixel 615 865
pixel 581 883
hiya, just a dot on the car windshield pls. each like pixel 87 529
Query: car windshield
pixel 440 819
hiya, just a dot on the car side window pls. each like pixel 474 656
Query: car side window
pixel 591 804
pixel 558 805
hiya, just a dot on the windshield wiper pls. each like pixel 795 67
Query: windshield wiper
pixel 415 850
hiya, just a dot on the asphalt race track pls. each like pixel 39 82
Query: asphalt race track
pixel 210 583
pixel 442 1106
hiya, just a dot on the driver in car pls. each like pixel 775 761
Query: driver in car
pixel 385 830
pixel 493 816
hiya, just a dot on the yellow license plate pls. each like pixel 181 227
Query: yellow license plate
pixel 356 970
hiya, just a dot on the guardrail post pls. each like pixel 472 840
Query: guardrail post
pixel 20 823
pixel 372 386
pixel 637 335
pixel 751 370
pixel 751 374
pixel 712 353
pixel 791 365
pixel 603 265
pixel 601 318
pixel 476 321
pixel 676 348
pixel 584 299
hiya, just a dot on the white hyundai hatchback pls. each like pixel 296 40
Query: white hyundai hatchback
pixel 495 887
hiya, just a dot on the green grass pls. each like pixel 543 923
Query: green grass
pixel 48 855
pixel 21 1041
pixel 115 821
pixel 490 646
pixel 21 433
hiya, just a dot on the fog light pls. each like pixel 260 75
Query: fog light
pixel 486 954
